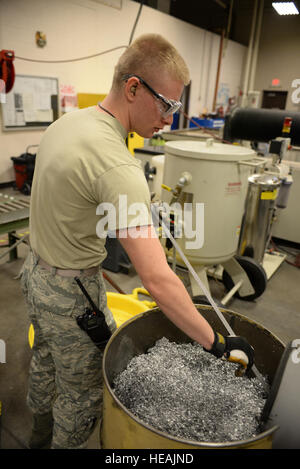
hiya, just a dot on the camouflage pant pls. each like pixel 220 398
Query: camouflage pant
pixel 66 367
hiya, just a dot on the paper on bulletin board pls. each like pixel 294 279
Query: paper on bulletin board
pixel 29 101
pixel 68 98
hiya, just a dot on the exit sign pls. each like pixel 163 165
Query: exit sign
pixel 275 82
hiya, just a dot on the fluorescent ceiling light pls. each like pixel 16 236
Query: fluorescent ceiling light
pixel 285 8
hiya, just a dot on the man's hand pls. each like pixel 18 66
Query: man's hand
pixel 234 349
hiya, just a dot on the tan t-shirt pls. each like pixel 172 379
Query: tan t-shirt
pixel 85 183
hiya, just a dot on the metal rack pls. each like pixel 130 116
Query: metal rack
pixel 14 215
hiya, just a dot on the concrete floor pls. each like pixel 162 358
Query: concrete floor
pixel 278 310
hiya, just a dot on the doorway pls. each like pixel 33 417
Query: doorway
pixel 274 99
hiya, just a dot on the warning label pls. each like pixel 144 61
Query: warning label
pixel 233 188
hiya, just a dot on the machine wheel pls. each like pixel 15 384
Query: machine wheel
pixel 255 273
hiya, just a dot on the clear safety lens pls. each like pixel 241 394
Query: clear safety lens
pixel 168 107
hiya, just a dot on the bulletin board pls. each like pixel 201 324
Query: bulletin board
pixel 31 104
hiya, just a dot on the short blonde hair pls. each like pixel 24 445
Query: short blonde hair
pixel 148 53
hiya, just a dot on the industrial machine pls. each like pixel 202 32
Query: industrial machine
pixel 241 194
pixel 260 125
pixel 208 184
pixel 287 224
pixel 282 405
pixel 273 212
pixel 205 182
pixel 152 161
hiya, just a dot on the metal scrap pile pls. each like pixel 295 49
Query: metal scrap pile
pixel 184 391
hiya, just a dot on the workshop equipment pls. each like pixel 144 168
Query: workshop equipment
pixel 219 179
pixel 124 307
pixel 260 125
pixel 24 169
pixel 210 180
pixel 263 125
pixel 14 215
pixel 121 429
pixel 258 216
pixel 287 224
pixel 282 406
pixel 257 219
pixel 196 133
pixel 267 192
pixel 152 161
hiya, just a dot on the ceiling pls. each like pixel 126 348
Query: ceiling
pixel 214 15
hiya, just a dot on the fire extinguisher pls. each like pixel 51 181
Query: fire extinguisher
pixel 7 71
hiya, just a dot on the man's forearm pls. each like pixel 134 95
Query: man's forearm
pixel 149 260
pixel 173 299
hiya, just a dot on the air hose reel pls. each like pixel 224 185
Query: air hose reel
pixel 7 71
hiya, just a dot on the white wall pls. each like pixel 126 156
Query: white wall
pixel 77 28
pixel 279 54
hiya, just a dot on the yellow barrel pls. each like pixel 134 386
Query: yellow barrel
pixel 124 307
pixel 120 429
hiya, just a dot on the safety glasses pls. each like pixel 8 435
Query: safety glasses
pixel 167 106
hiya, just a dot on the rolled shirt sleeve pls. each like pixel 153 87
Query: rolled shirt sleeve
pixel 124 200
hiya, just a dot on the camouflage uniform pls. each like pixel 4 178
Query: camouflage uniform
pixel 66 366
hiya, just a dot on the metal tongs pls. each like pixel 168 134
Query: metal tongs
pixel 242 368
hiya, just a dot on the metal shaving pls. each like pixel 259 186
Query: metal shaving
pixel 186 392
